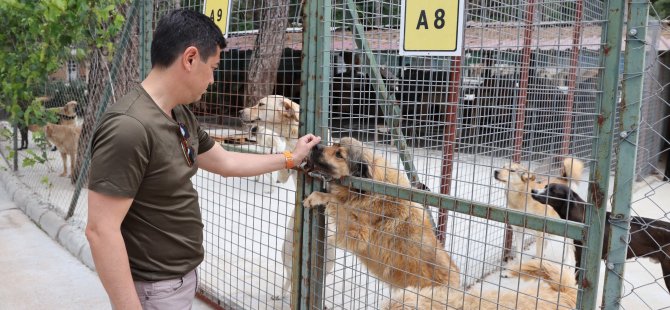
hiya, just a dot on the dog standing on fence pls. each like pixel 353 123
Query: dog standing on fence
pixel 392 237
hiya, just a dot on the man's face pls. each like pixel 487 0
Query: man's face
pixel 204 73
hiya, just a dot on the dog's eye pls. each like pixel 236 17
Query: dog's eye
pixel 261 104
pixel 338 154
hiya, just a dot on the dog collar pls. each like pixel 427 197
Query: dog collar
pixel 67 117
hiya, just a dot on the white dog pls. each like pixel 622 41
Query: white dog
pixel 276 119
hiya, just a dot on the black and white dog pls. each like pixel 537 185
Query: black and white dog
pixel 648 237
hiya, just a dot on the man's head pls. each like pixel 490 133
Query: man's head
pixel 181 29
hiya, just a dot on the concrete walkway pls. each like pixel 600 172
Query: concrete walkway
pixel 37 272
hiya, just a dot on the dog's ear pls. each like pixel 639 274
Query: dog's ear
pixel 289 110
pixel 358 164
pixel 360 169
pixel 526 176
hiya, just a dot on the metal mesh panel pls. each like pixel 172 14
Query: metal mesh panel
pixel 525 91
pixel 646 280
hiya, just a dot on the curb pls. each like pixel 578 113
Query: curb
pixel 43 214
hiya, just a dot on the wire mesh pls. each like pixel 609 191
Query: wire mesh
pixel 646 281
pixel 518 99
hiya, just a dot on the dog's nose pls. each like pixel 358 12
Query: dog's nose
pixel 312 157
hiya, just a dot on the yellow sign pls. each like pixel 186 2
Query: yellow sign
pixel 219 11
pixel 432 27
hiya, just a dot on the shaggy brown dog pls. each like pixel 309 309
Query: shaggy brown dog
pixel 66 139
pixel 519 182
pixel 546 286
pixel 392 237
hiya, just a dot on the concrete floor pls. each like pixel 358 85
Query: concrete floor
pixel 38 273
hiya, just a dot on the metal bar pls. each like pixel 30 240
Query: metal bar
pixel 629 121
pixel 118 58
pixel 319 117
pixel 449 140
pixel 598 191
pixel 300 279
pixel 146 36
pixel 523 79
pixel 573 230
pixel 572 77
pixel 521 110
pixel 16 146
pixel 391 110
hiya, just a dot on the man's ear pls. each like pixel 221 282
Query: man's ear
pixel 189 56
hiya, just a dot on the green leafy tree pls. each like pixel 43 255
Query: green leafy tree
pixel 662 8
pixel 38 36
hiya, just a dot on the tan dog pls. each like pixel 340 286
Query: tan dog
pixel 520 181
pixel 67 114
pixel 392 237
pixel 66 139
pixel 546 286
pixel 276 119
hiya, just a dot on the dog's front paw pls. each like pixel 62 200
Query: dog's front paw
pixel 315 199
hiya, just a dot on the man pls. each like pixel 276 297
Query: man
pixel 144 222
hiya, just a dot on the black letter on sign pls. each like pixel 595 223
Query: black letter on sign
pixel 422 20
pixel 439 19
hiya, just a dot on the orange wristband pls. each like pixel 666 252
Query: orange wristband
pixel 289 159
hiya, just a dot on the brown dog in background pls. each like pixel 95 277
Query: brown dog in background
pixel 393 238
pixel 66 139
pixel 67 114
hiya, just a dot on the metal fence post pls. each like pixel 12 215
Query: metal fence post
pixel 15 138
pixel 600 173
pixel 302 295
pixel 146 33
pixel 629 107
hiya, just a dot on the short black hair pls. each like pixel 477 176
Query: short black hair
pixel 180 29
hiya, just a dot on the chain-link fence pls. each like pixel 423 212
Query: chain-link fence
pixel 453 147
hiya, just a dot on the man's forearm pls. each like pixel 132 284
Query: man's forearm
pixel 111 263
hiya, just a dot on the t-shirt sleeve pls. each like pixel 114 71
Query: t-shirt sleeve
pixel 205 142
pixel 120 154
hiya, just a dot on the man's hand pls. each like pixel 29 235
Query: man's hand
pixel 303 147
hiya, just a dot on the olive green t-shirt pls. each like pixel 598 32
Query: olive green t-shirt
pixel 137 153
